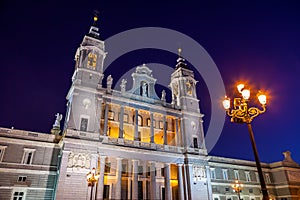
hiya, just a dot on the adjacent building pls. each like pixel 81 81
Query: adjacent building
pixel 141 146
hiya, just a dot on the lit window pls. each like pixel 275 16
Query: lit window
pixel 18 195
pixel 248 179
pixel 125 118
pixel 111 115
pixel 236 175
pixel 161 124
pixel 92 61
pixel 225 174
pixel 22 178
pixel 140 120
pixel 2 150
pixel 28 156
pixel 148 122
pixel 212 173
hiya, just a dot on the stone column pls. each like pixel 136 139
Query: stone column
pixel 180 182
pixel 151 128
pixel 136 128
pixel 105 119
pixel 152 180
pixel 168 195
pixel 119 178
pixel 121 122
pixel 165 131
pixel 135 179
pixel 98 116
pixel 100 186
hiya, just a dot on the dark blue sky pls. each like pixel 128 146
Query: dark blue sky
pixel 248 40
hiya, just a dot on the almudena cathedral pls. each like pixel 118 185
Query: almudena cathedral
pixel 130 144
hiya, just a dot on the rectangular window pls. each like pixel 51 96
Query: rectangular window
pixel 2 150
pixel 268 179
pixel 18 196
pixel 161 124
pixel 195 141
pixel 148 172
pixel 148 122
pixel 162 172
pixel 124 168
pixel 236 175
pixel 84 124
pixel 125 118
pixel 212 173
pixel 250 190
pixel 28 156
pixel 107 168
pixel 22 178
pixel 227 189
pixel 257 177
pixel 140 170
pixel 111 115
pixel 225 174
pixel 140 120
pixel 248 179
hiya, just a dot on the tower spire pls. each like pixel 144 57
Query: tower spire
pixel 94 29
pixel 181 61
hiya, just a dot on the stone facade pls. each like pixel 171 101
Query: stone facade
pixel 141 146
pixel 28 164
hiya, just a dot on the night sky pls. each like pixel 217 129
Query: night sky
pixel 248 40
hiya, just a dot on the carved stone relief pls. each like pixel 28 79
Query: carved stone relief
pixel 79 160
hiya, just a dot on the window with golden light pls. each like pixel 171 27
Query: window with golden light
pixel 92 61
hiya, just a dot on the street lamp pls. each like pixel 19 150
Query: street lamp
pixel 237 188
pixel 241 113
pixel 92 178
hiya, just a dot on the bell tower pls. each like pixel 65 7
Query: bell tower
pixel 84 106
pixel 184 97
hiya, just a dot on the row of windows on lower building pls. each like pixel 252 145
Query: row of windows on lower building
pixel 237 175
pixel 27 155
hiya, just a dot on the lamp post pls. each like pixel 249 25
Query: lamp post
pixel 92 178
pixel 242 113
pixel 237 188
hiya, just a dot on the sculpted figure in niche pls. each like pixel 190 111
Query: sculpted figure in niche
pixel 144 89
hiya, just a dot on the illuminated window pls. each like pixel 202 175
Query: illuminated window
pixel 236 175
pixel 161 124
pixel 248 179
pixel 140 120
pixel 92 61
pixel 148 122
pixel 225 174
pixel 18 195
pixel 28 156
pixel 2 150
pixel 125 118
pixel 111 115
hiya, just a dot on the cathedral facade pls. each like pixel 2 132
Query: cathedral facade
pixel 139 145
